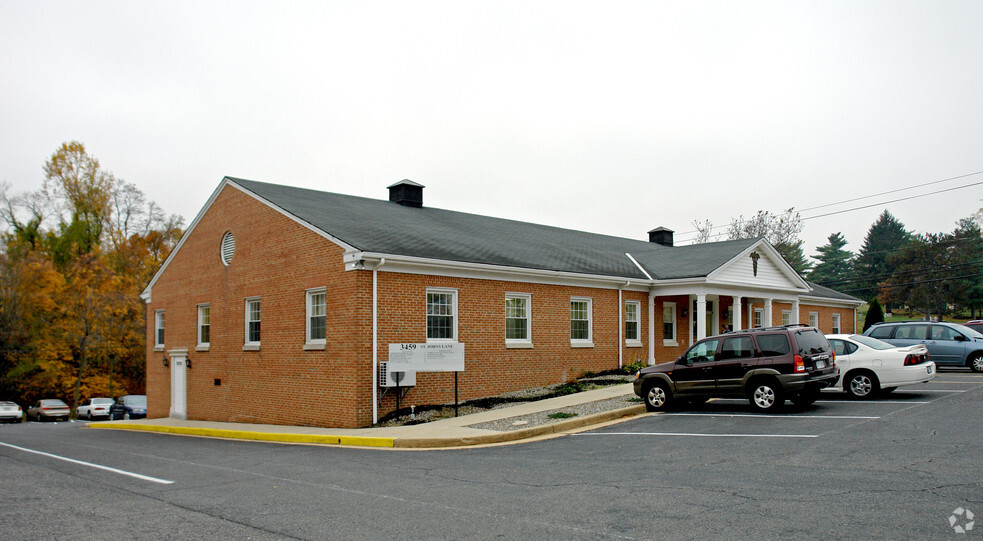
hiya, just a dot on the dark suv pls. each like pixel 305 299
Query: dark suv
pixel 949 344
pixel 764 365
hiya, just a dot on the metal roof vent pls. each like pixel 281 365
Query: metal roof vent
pixel 661 235
pixel 407 193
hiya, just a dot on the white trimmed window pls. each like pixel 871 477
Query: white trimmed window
pixel 759 317
pixel 836 324
pixel 253 322
pixel 159 329
pixel 317 316
pixel 633 310
pixel 669 324
pixel 814 319
pixel 441 314
pixel 581 309
pixel 518 318
pixel 204 325
pixel 786 317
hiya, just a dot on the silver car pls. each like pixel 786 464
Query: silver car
pixel 51 408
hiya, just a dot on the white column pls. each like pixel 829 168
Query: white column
pixel 652 328
pixel 795 312
pixel 736 309
pixel 701 317
pixel 768 319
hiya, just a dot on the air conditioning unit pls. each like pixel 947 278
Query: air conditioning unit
pixel 387 379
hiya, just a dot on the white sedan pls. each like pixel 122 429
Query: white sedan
pixel 95 407
pixel 869 366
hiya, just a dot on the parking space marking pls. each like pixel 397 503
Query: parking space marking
pixel 91 465
pixel 697 434
pixel 934 391
pixel 769 416
pixel 872 402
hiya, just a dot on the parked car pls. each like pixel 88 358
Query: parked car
pixel 949 344
pixel 870 366
pixel 10 411
pixel 50 408
pixel 976 325
pixel 132 406
pixel 94 407
pixel 764 365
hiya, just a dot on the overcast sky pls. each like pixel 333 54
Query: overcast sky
pixel 611 117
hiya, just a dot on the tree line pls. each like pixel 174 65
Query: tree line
pixel 933 273
pixel 74 257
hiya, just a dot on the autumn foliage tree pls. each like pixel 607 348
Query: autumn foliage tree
pixel 76 254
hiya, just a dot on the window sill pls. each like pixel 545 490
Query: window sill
pixel 581 344
pixel 250 347
pixel 670 343
pixel 309 346
pixel 202 347
pixel 633 343
pixel 159 348
pixel 518 345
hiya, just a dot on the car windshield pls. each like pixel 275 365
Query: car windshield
pixel 53 403
pixel 100 401
pixel 972 333
pixel 871 342
pixel 136 401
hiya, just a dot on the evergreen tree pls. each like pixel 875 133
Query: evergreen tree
pixel 873 264
pixel 835 263
pixel 874 314
pixel 968 248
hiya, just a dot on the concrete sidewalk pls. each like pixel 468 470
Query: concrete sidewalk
pixel 452 432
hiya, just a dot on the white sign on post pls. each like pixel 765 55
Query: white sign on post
pixel 426 357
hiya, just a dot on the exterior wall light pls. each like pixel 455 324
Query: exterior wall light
pixel 166 363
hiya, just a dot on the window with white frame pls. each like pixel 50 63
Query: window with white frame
pixel 759 317
pixel 441 314
pixel 814 319
pixel 159 329
pixel 204 325
pixel 580 320
pixel 669 323
pixel 786 317
pixel 836 324
pixel 632 311
pixel 517 318
pixel 253 320
pixel 317 316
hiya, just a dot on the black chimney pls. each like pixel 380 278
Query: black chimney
pixel 407 193
pixel 661 235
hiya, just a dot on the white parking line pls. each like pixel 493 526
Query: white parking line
pixel 766 415
pixel 697 435
pixel 871 402
pixel 91 465
pixel 933 391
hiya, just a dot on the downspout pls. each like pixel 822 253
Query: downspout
pixel 375 341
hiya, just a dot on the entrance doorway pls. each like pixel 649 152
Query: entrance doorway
pixel 179 383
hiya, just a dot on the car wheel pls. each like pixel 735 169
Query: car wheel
pixel 861 385
pixel 806 398
pixel 765 395
pixel 976 363
pixel 657 396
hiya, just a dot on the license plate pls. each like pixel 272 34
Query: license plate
pixel 820 365
pixel 930 369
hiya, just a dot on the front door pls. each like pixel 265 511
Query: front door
pixel 179 384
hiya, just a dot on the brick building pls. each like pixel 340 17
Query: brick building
pixel 279 303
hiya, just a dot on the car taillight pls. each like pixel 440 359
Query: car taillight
pixel 914 359
pixel 800 365
pixel 832 358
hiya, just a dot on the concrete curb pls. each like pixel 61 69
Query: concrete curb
pixel 285 437
pixel 558 427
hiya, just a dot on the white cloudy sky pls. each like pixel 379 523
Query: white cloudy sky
pixel 612 117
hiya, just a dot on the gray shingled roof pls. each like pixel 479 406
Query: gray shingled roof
pixel 822 291
pixel 380 226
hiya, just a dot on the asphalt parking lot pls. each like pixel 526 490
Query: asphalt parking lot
pixel 834 411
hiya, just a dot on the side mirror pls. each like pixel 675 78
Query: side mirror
pixel 961 338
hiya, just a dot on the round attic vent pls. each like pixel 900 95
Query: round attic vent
pixel 228 248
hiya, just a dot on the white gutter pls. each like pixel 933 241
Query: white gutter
pixel 375 340
pixel 647 275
